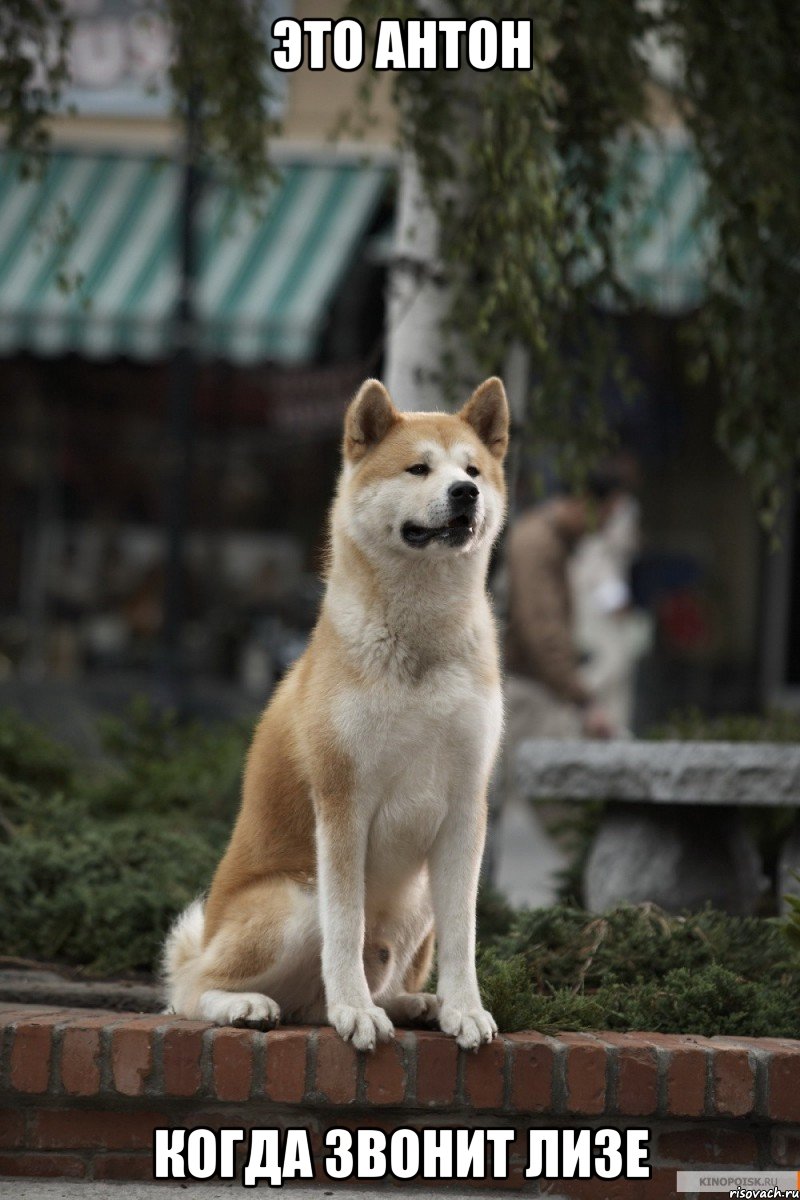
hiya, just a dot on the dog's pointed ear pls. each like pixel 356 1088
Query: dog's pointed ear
pixel 369 418
pixel 487 412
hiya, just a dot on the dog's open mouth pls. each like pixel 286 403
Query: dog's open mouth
pixel 456 532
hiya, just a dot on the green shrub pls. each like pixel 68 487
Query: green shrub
pixel 95 863
pixel 100 894
pixel 792 923
pixel 637 968
pixel 692 725
pixel 710 1002
pixel 160 765
pixel 30 756
pixel 567 947
pixel 96 860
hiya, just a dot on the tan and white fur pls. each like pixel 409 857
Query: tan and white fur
pixel 363 814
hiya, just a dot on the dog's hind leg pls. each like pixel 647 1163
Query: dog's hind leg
pixel 261 959
pixel 412 1004
pixel 419 968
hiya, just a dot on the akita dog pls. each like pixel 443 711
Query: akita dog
pixel 364 799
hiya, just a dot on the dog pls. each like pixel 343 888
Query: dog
pixel 363 812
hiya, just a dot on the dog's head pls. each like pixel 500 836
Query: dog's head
pixel 424 484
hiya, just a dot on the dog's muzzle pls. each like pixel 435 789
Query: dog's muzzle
pixel 462 498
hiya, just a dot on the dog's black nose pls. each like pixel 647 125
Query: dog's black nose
pixel 462 494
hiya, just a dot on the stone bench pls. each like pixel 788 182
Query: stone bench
pixel 672 832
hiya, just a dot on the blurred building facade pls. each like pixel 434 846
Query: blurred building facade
pixel 289 316
pixel 290 305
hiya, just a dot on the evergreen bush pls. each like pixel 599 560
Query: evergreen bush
pixel 96 860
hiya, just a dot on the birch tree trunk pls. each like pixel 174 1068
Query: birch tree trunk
pixel 417 301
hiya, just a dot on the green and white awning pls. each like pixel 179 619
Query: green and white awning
pixel 88 257
pixel 88 252
pixel 663 245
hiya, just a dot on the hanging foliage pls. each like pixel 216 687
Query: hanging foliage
pixel 742 105
pixel 519 166
pixel 222 50
pixel 221 53
pixel 34 39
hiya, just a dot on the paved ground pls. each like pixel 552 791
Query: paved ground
pixel 56 1189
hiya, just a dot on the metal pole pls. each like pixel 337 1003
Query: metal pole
pixel 516 374
pixel 182 380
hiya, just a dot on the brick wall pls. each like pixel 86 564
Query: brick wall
pixel 81 1092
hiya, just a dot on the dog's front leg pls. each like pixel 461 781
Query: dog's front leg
pixel 341 857
pixel 454 866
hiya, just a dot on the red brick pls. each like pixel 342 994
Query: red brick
pixel 385 1073
pixel 80 1018
pixel 660 1186
pixel 337 1067
pixel 79 1129
pixel 687 1072
pixel 232 1063
pixel 421 1186
pixel 124 1166
pixel 734 1083
pixel 532 1073
pixel 637 1074
pixel 131 1058
pixel 80 1061
pixel 723 1042
pixel 708 1147
pixel 518 1150
pixel 11 1013
pixel 785 1150
pixel 152 1023
pixel 31 1054
pixel 784 1085
pixel 12 1128
pixel 86 1018
pixel 95 1018
pixel 484 1083
pixel 42 1166
pixel 585 1074
pixel 437 1063
pixel 285 1079
pixel 182 1048
pixel 514 1181
pixel 770 1044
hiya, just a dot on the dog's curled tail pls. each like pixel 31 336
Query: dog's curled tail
pixel 182 950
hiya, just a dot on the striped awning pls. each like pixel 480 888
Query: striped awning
pixel 663 245
pixel 88 257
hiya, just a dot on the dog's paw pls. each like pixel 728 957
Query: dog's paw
pixel 364 1027
pixel 250 1009
pixel 413 1006
pixel 469 1026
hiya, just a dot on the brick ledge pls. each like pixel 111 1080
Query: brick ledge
pixel 82 1090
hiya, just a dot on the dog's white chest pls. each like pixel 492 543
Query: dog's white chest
pixel 415 750
pixel 392 731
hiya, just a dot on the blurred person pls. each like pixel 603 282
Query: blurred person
pixel 611 634
pixel 547 695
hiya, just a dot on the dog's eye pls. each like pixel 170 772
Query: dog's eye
pixel 472 471
pixel 419 469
